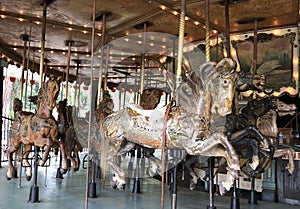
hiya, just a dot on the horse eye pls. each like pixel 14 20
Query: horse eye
pixel 225 81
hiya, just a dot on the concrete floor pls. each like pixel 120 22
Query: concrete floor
pixel 69 193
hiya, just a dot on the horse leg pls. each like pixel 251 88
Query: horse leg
pixel 41 142
pixel 27 150
pixel 194 177
pixel 228 152
pixel 255 145
pixel 15 143
pixel 64 164
pixel 290 152
pixel 77 159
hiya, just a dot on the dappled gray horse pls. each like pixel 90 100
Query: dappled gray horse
pixel 208 91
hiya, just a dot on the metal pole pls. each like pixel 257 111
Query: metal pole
pixel 3 64
pixel 106 69
pixel 180 43
pixel 143 62
pixel 69 42
pixel 227 44
pixel 254 48
pixel 99 98
pixel 174 183
pixel 207 44
pixel 91 109
pixel 27 65
pixel 235 201
pixel 25 38
pixel 211 161
pixel 43 43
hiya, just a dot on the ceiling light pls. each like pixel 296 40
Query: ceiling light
pixel 197 23
pixel 175 13
pixel 163 7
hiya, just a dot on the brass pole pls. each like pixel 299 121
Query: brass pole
pixel 68 67
pixel 25 38
pixel 142 72
pixel 43 43
pixel 254 48
pixel 207 44
pixel 106 69
pixel 27 64
pixel 99 97
pixel 180 43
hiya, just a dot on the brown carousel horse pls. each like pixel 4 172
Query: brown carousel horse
pixel 208 90
pixel 39 129
pixel 67 134
pixel 268 127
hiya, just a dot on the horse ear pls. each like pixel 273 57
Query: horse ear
pixel 226 65
pixel 59 79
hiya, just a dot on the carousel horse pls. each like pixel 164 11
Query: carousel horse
pixel 39 129
pixel 247 140
pixel 268 127
pixel 208 90
pixel 247 145
pixel 68 135
pixel 257 113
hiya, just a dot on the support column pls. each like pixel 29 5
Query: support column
pixel 3 64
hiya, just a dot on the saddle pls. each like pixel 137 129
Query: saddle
pixel 155 116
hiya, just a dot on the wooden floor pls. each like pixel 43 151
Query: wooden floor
pixel 69 193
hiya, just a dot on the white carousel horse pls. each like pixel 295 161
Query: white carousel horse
pixel 208 91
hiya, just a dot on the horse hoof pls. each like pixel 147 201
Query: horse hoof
pixel 222 189
pixel 28 178
pixel 121 187
pixel 206 177
pixel 192 186
pixel 251 172
pixel 113 184
pixel 76 169
pixel 63 171
pixel 8 178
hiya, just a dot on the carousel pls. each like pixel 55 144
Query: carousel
pixel 150 104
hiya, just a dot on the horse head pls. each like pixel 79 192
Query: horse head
pixel 150 98
pixel 220 82
pixel 17 105
pixel 285 109
pixel 61 106
pixel 259 107
pixel 49 92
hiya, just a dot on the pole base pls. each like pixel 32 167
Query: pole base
pixel 252 198
pixel 15 173
pixel 92 190
pixel 34 194
pixel 235 203
pixel 136 186
pixel 59 175
pixel 211 207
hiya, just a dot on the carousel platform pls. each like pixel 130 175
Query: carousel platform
pixel 69 193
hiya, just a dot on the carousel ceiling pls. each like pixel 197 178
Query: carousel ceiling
pixel 69 27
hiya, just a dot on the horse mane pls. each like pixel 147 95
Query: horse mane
pixel 42 92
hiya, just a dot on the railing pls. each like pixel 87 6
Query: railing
pixel 5 135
